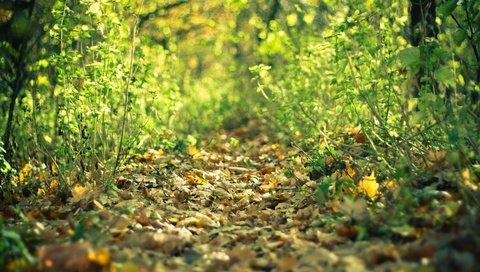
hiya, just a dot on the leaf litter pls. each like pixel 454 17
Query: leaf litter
pixel 248 206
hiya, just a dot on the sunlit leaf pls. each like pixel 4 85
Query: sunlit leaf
pixel 79 191
pixel 95 9
pixel 409 56
pixel 194 152
pixel 25 172
pixel 42 80
pixel 292 19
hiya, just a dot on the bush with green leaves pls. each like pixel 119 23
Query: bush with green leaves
pixel 75 107
pixel 361 72
pixel 14 254
pixel 6 170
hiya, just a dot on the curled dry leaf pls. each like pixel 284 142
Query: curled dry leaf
pixel 199 220
pixel 79 192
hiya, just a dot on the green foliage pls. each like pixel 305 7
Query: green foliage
pixel 14 255
pixel 74 108
pixel 6 170
pixel 408 101
pixel 360 73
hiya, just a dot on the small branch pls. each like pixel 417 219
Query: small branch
pixel 142 19
pixel 404 140
pixel 470 36
pixel 125 105
pixel 472 42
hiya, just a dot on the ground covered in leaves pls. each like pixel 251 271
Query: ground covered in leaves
pixel 242 202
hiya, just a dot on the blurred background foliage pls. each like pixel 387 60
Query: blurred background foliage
pixel 403 73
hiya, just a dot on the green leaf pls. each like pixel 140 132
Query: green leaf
pixel 459 36
pixel 445 9
pixel 445 75
pixel 78 233
pixel 409 56
pixel 95 9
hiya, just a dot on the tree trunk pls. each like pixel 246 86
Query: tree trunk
pixel 7 141
pixel 17 34
pixel 422 25
pixel 422 21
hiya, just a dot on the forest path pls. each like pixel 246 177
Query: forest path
pixel 242 203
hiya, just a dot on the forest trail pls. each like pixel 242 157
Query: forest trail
pixel 352 143
pixel 242 203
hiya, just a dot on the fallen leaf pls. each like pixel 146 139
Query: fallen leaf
pixel 269 185
pixel 74 257
pixel 194 152
pixel 78 192
pixel 218 260
pixel 350 232
pixel 199 220
pixel 286 264
pixel 143 218
pixel 162 242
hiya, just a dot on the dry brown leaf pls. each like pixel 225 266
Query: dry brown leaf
pixel 199 220
pixel 75 257
pixel 350 232
pixel 143 218
pixel 218 260
pixel 267 170
pixel 162 242
pixel 268 185
pixel 79 192
pixel 119 224
pixel 286 264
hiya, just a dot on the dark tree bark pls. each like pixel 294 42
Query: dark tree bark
pixel 16 32
pixel 422 21
pixel 422 26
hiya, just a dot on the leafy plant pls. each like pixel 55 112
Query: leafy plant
pixel 15 256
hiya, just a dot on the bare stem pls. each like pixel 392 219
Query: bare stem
pixel 125 104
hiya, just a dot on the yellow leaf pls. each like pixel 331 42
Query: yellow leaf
pixel 197 180
pixel 79 191
pixel 25 172
pixel 54 184
pixel 40 192
pixel 47 139
pixel 99 256
pixel 149 157
pixel 369 185
pixel 347 173
pixel 42 80
pixel 194 152
pixel 468 180
pixel 173 220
